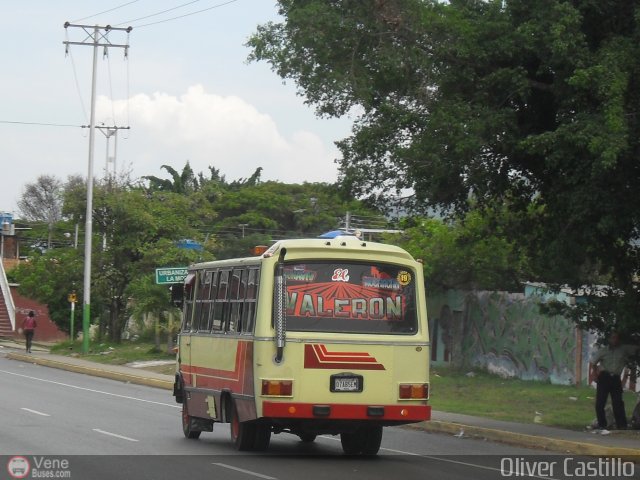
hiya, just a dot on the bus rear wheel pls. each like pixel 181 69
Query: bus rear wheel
pixel 188 424
pixel 364 441
pixel 262 436
pixel 252 435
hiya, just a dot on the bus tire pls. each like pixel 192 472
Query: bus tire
pixel 372 438
pixel 262 436
pixel 243 434
pixel 351 443
pixel 365 441
pixel 188 424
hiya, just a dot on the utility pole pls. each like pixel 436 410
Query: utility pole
pixel 97 36
pixel 109 132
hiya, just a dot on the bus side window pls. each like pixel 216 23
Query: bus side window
pixel 236 297
pixel 205 304
pixel 188 302
pixel 249 308
pixel 221 306
pixel 211 300
pixel 197 299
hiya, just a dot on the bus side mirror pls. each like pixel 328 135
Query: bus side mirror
pixel 177 294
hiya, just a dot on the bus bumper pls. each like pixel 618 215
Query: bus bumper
pixel 394 413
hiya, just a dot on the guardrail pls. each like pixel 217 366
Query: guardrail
pixel 8 298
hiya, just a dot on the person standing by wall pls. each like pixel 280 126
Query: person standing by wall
pixel 609 361
pixel 29 325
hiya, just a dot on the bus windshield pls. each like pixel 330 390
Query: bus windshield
pixel 350 297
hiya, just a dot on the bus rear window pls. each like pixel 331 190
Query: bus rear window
pixel 351 298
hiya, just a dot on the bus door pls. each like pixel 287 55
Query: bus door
pixel 184 342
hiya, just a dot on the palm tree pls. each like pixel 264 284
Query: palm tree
pixel 185 182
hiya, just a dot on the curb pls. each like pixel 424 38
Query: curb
pixel 96 372
pixel 532 441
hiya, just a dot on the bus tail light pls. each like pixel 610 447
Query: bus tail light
pixel 279 388
pixel 413 391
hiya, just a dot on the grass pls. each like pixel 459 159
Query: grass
pixel 490 396
pixel 115 353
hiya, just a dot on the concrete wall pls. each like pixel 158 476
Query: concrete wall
pixel 505 333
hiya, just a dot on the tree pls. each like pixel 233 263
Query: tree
pixel 529 106
pixel 152 299
pixel 185 182
pixel 265 211
pixel 41 201
pixel 473 253
pixel 136 231
pixel 50 278
pixel 140 228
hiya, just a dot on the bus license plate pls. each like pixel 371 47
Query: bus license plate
pixel 341 383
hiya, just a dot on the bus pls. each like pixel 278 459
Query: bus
pixel 311 337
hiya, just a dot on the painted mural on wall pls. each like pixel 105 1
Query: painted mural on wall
pixel 504 334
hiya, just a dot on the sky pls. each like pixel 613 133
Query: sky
pixel 186 91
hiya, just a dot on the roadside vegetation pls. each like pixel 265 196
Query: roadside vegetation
pixel 123 353
pixel 490 396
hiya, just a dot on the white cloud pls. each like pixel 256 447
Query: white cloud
pixel 223 131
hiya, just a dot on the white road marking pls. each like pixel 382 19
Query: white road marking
pixel 91 390
pixel 401 452
pixel 448 460
pixel 35 411
pixel 248 472
pixel 114 435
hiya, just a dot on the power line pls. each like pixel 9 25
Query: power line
pixel 182 16
pixel 41 124
pixel 159 13
pixel 75 77
pixel 113 111
pixel 106 11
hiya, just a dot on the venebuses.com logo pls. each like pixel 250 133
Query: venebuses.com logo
pixel 38 467
pixel 18 467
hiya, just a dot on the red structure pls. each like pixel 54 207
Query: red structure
pixel 47 331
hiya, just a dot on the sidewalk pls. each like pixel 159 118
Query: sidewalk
pixel 625 444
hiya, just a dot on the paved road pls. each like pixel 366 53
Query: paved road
pixel 50 412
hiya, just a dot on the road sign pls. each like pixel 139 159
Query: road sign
pixel 170 275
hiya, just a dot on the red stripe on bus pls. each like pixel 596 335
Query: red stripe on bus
pixel 412 413
pixel 324 351
pixel 324 356
pixel 218 379
pixel 315 358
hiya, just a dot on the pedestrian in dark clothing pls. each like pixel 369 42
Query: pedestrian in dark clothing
pixel 609 362
pixel 29 325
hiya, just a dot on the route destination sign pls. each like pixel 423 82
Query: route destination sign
pixel 170 275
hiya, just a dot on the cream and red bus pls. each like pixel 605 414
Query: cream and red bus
pixel 314 336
